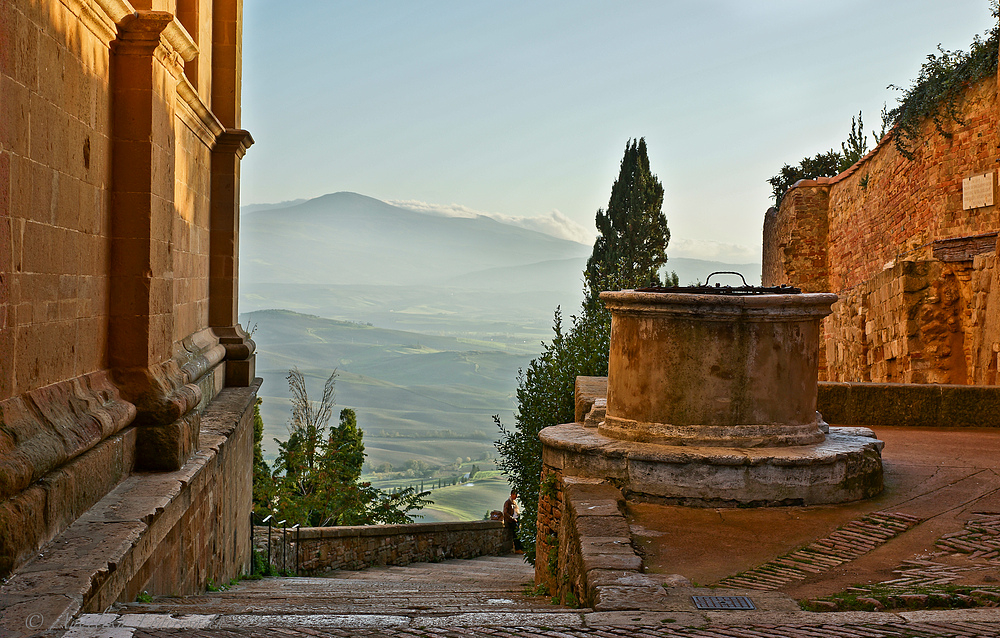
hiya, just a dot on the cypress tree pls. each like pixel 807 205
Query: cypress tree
pixel 632 238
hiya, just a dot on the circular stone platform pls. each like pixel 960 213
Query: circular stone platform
pixel 846 466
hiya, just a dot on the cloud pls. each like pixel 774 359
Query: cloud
pixel 713 251
pixel 555 223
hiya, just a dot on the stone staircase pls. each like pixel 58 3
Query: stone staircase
pixel 485 591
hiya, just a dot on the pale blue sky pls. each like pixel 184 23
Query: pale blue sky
pixel 523 109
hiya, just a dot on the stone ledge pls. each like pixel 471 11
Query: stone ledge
pixel 99 557
pixel 842 468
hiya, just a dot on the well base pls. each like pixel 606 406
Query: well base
pixel 846 466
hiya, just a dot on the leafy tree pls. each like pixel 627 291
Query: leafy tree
pixel 822 165
pixel 628 253
pixel 317 472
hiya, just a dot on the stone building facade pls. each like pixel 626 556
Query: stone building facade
pixel 120 145
pixel 912 261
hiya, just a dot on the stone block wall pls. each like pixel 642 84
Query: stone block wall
pixel 593 563
pixel 551 506
pixel 315 550
pixel 907 324
pixel 55 139
pixel 119 196
pixel 912 267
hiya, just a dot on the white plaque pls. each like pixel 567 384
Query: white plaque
pixel 977 191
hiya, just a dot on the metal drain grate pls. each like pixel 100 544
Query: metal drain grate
pixel 722 602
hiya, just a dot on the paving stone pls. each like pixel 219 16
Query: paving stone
pixel 501 619
pixel 166 621
pixel 100 632
pixel 647 619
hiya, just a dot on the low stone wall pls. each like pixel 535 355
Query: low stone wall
pixel 313 550
pixel 909 404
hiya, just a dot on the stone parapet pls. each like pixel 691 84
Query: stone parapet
pixel 165 533
pixel 910 404
pixel 314 550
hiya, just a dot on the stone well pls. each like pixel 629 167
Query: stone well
pixel 711 400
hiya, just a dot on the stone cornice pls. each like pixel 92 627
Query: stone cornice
pixel 180 40
pixel 196 115
pixel 233 140
pixel 115 9
pixel 100 16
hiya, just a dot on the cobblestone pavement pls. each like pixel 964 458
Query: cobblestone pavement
pixel 843 545
pixel 642 625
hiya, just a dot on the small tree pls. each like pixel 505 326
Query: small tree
pixel 264 490
pixel 317 471
pixel 856 145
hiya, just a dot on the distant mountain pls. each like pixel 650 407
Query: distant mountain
pixel 346 238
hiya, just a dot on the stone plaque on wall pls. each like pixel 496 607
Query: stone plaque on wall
pixel 977 191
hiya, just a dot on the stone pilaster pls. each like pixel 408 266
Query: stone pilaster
pixel 141 327
pixel 223 291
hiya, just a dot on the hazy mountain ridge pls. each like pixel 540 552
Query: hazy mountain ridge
pixel 351 238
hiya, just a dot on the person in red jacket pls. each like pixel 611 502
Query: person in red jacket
pixel 511 512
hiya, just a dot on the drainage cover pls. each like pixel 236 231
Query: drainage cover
pixel 722 602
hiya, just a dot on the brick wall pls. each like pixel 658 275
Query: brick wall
pixel 913 268
pixel 313 550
